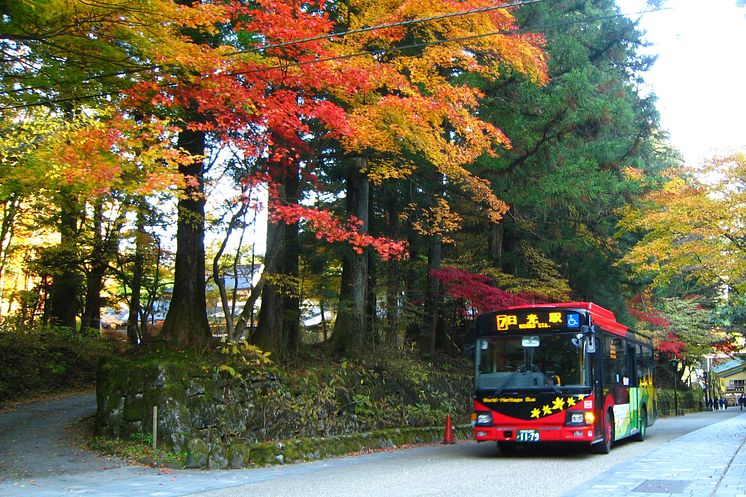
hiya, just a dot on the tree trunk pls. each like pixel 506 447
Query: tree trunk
pixel 64 294
pixel 135 333
pixel 9 211
pixel 186 322
pixel 219 278
pixel 269 332
pixel 91 318
pixel 324 330
pixel 495 243
pixel 394 332
pixel 432 295
pixel 371 304
pixel 291 270
pixel 349 327
pixel 270 263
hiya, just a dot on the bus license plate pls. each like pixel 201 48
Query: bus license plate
pixel 527 436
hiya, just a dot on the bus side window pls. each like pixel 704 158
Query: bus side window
pixel 648 364
pixel 609 364
pixel 640 364
pixel 623 372
pixel 633 362
pixel 616 367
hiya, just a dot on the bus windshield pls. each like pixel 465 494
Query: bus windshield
pixel 531 362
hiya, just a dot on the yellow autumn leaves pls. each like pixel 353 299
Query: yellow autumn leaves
pixel 694 227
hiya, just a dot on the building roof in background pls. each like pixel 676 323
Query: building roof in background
pixel 734 366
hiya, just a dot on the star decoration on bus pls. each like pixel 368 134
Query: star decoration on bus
pixel 559 403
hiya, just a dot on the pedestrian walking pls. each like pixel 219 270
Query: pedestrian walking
pixel 722 403
pixel 741 401
pixel 709 404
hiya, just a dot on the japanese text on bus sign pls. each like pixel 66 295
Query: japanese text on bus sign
pixel 546 320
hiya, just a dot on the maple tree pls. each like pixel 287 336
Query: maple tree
pixel 477 292
pixel 693 226
pixel 413 122
pixel 86 149
pixel 449 142
pixel 689 239
pixel 680 326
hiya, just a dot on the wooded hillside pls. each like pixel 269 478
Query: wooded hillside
pixel 416 163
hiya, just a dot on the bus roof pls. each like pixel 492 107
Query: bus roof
pixel 604 318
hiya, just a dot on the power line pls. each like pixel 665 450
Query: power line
pixel 366 29
pixel 435 42
pixel 356 54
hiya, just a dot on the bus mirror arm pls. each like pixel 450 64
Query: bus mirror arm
pixel 589 334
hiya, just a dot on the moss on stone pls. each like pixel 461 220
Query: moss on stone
pixel 238 455
pixel 354 408
pixel 197 453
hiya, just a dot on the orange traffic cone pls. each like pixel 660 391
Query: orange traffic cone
pixel 448 438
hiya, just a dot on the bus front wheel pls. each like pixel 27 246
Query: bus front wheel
pixel 605 445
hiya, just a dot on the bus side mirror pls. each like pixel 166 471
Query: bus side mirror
pixel 588 332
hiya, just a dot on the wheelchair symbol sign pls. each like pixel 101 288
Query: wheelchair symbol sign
pixel 573 321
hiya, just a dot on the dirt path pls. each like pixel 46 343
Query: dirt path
pixel 45 438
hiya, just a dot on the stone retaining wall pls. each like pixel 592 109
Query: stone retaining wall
pixel 221 421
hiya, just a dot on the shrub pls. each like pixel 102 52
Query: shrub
pixel 44 360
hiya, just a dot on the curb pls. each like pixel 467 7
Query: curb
pixel 236 455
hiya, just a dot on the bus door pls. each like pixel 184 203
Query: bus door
pixel 634 390
pixel 617 383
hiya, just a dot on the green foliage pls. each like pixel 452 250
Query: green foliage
pixel 363 405
pixel 732 313
pixel 583 146
pixel 248 356
pixel 321 398
pixel 688 399
pixel 143 438
pixel 46 360
pixel 139 450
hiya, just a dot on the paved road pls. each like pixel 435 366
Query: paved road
pixel 471 469
pixel 40 457
pixel 45 438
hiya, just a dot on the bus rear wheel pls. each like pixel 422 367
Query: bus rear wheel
pixel 605 445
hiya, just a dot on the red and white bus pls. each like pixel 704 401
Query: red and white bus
pixel 567 373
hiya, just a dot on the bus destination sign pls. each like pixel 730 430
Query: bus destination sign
pixel 538 320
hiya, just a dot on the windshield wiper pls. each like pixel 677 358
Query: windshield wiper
pixel 501 388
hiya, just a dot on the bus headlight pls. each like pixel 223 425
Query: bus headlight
pixel 484 419
pixel 579 418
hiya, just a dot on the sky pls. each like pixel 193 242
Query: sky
pixel 700 74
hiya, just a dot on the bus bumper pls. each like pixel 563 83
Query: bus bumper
pixel 546 433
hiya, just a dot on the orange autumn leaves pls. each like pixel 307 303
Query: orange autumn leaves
pixel 418 110
pixel 371 91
